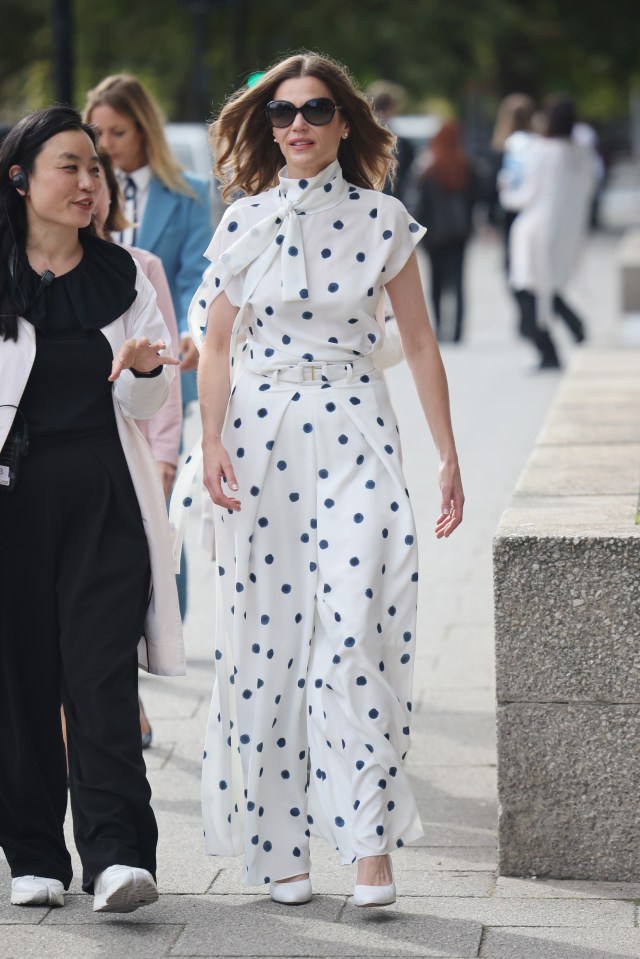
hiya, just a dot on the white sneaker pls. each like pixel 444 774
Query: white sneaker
pixel 123 889
pixel 36 891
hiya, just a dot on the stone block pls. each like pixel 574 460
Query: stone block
pixel 587 422
pixel 609 469
pixel 567 623
pixel 568 790
pixel 629 261
pixel 567 635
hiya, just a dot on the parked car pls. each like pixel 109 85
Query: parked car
pixel 418 128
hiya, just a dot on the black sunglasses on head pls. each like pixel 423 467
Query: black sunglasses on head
pixel 318 112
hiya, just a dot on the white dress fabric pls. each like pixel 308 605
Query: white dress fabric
pixel 554 199
pixel 317 574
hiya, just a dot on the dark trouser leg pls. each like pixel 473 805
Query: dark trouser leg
pixel 457 269
pixel 436 286
pixel 33 776
pixel 573 321
pixel 541 337
pixel 527 305
pixel 104 587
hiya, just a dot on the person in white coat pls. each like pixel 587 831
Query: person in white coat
pixel 547 235
pixel 86 585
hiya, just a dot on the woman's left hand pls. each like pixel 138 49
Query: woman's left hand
pixel 140 355
pixel 452 500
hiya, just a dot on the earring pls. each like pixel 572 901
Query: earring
pixel 345 136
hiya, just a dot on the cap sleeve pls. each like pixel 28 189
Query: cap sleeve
pixel 215 279
pixel 398 229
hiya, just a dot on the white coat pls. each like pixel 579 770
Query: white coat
pixel 554 202
pixel 161 649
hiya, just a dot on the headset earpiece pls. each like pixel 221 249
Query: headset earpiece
pixel 19 181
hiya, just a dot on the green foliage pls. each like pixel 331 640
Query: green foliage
pixel 436 48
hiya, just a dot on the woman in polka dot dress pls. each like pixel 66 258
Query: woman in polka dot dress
pixel 318 564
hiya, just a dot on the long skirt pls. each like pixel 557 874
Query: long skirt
pixel 316 613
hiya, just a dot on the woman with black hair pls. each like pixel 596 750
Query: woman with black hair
pixel 85 567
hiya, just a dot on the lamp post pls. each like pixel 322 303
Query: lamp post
pixel 200 101
pixel 63 50
pixel 237 20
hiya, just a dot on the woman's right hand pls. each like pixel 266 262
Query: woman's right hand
pixel 217 466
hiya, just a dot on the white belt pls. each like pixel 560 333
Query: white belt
pixel 306 372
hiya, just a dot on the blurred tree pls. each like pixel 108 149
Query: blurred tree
pixel 471 48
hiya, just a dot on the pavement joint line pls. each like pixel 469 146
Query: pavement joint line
pixel 209 888
pixel 180 928
pixel 483 936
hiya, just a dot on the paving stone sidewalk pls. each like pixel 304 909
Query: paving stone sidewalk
pixel 451 902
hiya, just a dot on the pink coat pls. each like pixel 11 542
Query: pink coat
pixel 164 429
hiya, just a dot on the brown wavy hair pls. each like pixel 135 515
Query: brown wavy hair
pixel 248 160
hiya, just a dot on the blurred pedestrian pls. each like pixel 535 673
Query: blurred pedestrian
pixel 317 562
pixel 547 235
pixel 445 195
pixel 85 564
pixel 513 140
pixel 388 100
pixel 169 209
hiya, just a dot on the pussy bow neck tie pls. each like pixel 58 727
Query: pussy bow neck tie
pixel 281 230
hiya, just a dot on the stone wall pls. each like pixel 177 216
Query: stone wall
pixel 567 601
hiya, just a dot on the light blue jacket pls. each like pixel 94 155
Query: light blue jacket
pixel 178 229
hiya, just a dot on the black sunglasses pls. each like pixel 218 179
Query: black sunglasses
pixel 318 112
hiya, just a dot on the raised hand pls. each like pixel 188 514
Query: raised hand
pixel 140 355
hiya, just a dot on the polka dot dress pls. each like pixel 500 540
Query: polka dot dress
pixel 317 575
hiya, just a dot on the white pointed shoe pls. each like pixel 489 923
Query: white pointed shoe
pixel 36 891
pixel 374 895
pixel 123 889
pixel 291 893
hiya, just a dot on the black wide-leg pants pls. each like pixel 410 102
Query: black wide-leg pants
pixel 74 585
